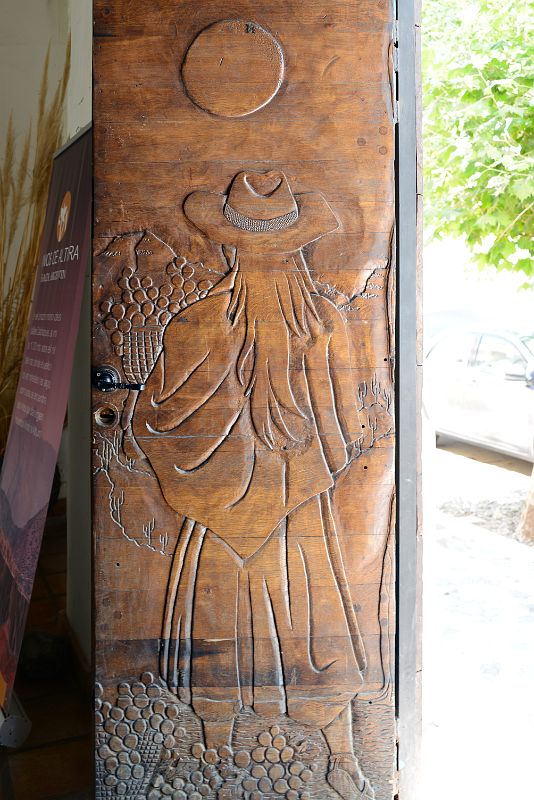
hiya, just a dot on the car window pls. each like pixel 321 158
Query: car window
pixel 453 349
pixel 528 341
pixel 499 356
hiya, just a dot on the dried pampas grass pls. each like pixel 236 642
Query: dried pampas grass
pixel 23 199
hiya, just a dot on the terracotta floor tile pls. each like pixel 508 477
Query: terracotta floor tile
pixel 43 616
pixel 53 562
pixel 57 717
pixel 50 773
pixel 27 688
pixel 55 528
pixel 40 589
pixel 6 787
pixel 57 584
pixel 59 509
pixel 55 546
pixel 54 542
pixel 55 762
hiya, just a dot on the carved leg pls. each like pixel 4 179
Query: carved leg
pixel 345 775
pixel 218 734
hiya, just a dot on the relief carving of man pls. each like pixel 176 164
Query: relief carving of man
pixel 247 419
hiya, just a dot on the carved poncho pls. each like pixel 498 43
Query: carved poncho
pixel 247 413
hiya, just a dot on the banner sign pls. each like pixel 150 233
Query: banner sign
pixel 42 394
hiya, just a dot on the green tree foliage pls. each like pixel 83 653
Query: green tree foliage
pixel 479 127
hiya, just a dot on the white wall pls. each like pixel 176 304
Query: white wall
pixel 27 28
pixel 79 100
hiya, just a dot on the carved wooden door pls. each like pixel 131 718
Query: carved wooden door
pixel 243 415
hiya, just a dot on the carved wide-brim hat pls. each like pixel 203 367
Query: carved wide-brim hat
pixel 261 214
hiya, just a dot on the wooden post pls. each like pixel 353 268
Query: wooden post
pixel 243 408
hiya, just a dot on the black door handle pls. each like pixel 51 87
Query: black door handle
pixel 106 379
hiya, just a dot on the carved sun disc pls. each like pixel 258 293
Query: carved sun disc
pixel 233 68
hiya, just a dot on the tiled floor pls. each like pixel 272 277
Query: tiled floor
pixel 55 761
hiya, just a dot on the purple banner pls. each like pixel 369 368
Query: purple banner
pixel 42 394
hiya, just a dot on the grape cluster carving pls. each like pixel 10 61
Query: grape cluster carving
pixel 277 767
pixel 143 303
pixel 139 731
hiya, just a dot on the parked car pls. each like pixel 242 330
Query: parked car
pixel 479 387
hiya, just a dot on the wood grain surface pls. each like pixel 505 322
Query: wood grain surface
pixel 244 496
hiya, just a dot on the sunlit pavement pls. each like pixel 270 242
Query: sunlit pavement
pixel 478 703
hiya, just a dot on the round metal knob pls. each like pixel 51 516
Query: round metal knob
pixel 106 379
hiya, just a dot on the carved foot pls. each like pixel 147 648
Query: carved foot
pixel 347 779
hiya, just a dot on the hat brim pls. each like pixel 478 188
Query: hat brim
pixel 315 219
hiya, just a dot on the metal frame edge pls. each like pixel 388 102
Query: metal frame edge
pixel 408 381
